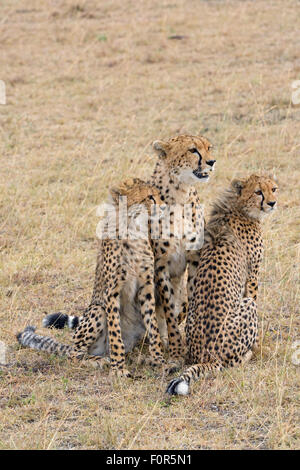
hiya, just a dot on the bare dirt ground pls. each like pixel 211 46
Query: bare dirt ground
pixel 89 86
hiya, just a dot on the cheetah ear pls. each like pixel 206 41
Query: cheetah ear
pixel 273 177
pixel 161 148
pixel 116 193
pixel 237 185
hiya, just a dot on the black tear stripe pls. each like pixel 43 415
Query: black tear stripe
pixel 200 157
pixel 195 150
pixel 262 201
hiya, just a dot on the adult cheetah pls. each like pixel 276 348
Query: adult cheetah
pixel 221 328
pixel 123 304
pixel 183 162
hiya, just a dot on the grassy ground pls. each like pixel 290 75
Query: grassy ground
pixel 89 86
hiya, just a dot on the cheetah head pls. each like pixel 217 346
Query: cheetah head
pixel 137 192
pixel 143 202
pixel 187 158
pixel 257 195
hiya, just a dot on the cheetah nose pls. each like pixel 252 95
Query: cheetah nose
pixel 210 162
pixel 272 203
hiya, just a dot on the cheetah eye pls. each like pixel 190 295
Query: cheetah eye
pixel 274 189
pixel 259 193
pixel 196 151
pixel 152 198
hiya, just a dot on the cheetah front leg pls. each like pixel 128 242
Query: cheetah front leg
pixel 249 325
pixel 179 285
pixel 116 345
pixel 166 293
pixel 251 291
pixel 147 302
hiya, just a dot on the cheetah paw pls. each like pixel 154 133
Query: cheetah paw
pixel 174 365
pixel 120 374
pixel 101 363
pixel 154 362
pixel 178 387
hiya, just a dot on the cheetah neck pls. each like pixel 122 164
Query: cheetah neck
pixel 118 223
pixel 171 191
pixel 225 209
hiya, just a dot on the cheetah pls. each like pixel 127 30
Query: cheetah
pixel 222 325
pixel 183 162
pixel 123 303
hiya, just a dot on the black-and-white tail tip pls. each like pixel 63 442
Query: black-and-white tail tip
pixel 178 387
pixel 60 320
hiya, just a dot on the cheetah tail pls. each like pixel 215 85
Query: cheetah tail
pixel 181 385
pixel 60 320
pixel 29 338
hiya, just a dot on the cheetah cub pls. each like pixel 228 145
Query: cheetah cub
pixel 123 299
pixel 221 328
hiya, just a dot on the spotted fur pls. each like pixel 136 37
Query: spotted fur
pixel 183 161
pixel 123 301
pixel 221 328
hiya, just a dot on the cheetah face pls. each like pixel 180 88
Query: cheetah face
pixel 257 195
pixel 187 158
pixel 142 200
pixel 137 193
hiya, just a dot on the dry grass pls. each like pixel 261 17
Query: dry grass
pixel 89 85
